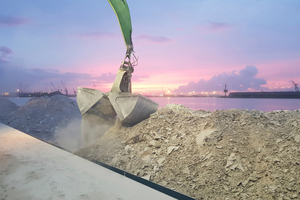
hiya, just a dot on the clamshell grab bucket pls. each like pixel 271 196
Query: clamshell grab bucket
pixel 130 108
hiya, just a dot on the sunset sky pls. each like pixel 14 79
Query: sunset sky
pixel 183 46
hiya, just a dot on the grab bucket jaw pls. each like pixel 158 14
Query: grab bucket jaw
pixel 96 103
pixel 132 108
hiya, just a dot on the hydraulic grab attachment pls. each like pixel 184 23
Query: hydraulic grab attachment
pixel 129 107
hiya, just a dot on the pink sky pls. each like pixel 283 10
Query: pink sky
pixel 198 45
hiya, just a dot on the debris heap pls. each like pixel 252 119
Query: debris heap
pixel 6 107
pixel 42 116
pixel 226 154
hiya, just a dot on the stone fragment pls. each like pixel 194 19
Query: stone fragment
pixel 294 124
pixel 201 136
pixel 230 160
pixel 245 182
pixel 147 177
pixel 186 170
pixel 164 183
pixel 152 143
pixel 114 161
pixel 297 138
pixel 275 123
pixel 157 137
pixel 128 148
pixel 278 140
pixel 272 188
pixel 207 164
pixel 281 149
pixel 225 187
pixel 294 196
pixel 146 158
pixel 275 160
pixel 259 149
pixel 233 167
pixel 155 168
pixel 208 156
pixel 240 167
pixel 171 148
pixel 160 161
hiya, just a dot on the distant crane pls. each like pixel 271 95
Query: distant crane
pixel 225 90
pixel 54 87
pixel 22 90
pixel 296 86
pixel 65 88
pixel 25 88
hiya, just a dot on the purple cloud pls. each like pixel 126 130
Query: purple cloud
pixel 96 36
pixel 13 21
pixel 242 81
pixel 12 76
pixel 106 78
pixel 153 38
pixel 217 26
pixel 214 27
pixel 4 51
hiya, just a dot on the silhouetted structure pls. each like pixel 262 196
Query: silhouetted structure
pixel 296 86
pixel 225 90
pixel 283 95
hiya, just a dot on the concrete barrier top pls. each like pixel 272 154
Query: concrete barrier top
pixel 32 169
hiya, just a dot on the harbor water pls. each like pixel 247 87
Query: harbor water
pixel 213 103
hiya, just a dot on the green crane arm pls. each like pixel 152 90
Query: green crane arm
pixel 122 11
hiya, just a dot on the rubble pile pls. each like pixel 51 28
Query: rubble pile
pixel 226 154
pixel 42 116
pixel 6 107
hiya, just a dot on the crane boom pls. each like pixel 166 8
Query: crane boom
pixel 122 11
pixel 53 86
pixel 296 86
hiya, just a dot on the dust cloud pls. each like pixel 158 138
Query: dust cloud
pixel 80 133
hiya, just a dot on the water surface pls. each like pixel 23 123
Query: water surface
pixel 213 103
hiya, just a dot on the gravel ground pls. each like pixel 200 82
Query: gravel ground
pixel 226 154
